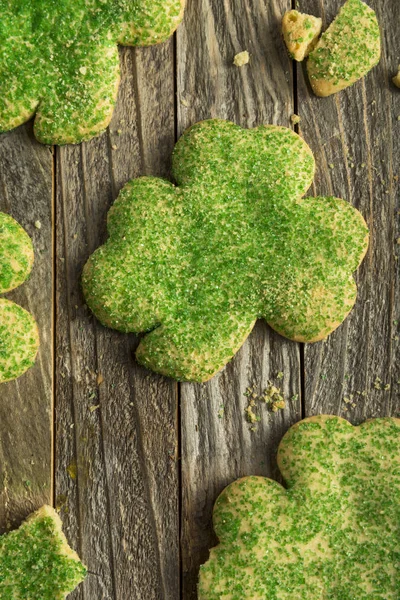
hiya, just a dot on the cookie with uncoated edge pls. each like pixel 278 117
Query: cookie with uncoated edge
pixel 346 51
pixel 59 60
pixel 16 254
pixel 300 33
pixel 36 562
pixel 19 340
pixel 197 263
pixel 332 533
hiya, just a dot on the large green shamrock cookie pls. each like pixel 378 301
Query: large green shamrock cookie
pixel 36 562
pixel 332 534
pixel 60 60
pixel 197 263
pixel 19 336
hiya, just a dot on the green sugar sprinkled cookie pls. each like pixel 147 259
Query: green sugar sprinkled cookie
pixel 36 562
pixel 19 336
pixel 333 533
pixel 16 254
pixel 347 50
pixel 19 340
pixel 59 60
pixel 196 264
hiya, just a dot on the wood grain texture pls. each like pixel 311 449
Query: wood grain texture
pixel 116 471
pixel 218 444
pixel 354 136
pixel 139 460
pixel 26 403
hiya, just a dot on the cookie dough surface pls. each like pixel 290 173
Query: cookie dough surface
pixel 300 33
pixel 36 562
pixel 197 263
pixel 16 254
pixel 19 340
pixel 333 533
pixel 346 51
pixel 60 60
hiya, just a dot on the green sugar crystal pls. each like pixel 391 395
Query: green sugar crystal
pixel 332 534
pixel 197 263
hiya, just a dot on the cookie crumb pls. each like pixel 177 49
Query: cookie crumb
pixel 396 80
pixel 241 59
pixel 295 119
pixel 38 225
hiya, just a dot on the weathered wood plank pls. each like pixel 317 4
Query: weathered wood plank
pixel 353 135
pixel 218 446
pixel 26 403
pixel 116 474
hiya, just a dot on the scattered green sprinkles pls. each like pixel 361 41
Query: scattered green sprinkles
pixel 332 534
pixel 60 60
pixel 300 33
pixel 347 50
pixel 19 337
pixel 36 562
pixel 196 264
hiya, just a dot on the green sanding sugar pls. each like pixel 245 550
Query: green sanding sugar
pixel 16 254
pixel 234 241
pixel 19 340
pixel 347 50
pixel 60 60
pixel 332 534
pixel 36 562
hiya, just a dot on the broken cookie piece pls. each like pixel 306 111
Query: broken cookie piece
pixel 396 79
pixel 300 33
pixel 348 49
pixel 36 562
pixel 241 59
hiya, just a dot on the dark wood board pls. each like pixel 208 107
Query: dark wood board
pixel 218 444
pixel 116 424
pixel 354 136
pixel 138 460
pixel 26 404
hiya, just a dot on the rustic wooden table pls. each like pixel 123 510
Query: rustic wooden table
pixel 135 461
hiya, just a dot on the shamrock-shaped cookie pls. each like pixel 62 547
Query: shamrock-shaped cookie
pixel 332 534
pixel 59 60
pixel 196 264
pixel 19 336
pixel 36 562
